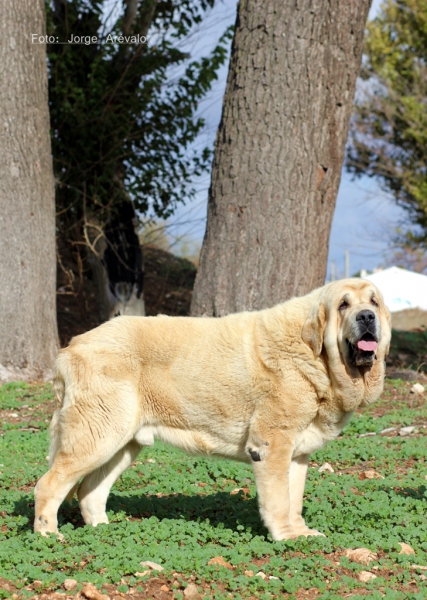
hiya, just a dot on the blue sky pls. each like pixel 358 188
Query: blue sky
pixel 364 219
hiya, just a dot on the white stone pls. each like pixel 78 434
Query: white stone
pixel 326 468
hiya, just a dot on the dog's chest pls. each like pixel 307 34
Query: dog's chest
pixel 317 433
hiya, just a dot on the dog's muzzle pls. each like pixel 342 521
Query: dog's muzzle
pixel 362 349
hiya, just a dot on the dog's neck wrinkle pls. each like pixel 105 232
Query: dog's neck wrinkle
pixel 357 387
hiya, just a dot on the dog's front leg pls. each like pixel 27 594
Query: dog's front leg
pixel 297 476
pixel 271 464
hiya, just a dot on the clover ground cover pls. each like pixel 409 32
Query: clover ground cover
pixel 181 512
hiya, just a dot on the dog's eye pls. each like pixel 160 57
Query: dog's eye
pixel 343 305
pixel 374 302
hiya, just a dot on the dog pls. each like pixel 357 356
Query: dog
pixel 266 387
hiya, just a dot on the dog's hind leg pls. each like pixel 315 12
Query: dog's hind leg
pixel 95 487
pixel 53 488
pixel 83 448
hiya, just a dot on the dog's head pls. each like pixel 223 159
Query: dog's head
pixel 349 316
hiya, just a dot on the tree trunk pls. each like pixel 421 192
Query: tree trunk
pixel 279 152
pixel 28 329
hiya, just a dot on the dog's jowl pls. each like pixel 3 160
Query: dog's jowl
pixel 266 387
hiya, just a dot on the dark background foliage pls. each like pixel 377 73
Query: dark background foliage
pixel 123 116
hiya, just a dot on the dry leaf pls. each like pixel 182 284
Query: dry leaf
pixel 237 490
pixel 91 592
pixel 363 556
pixel 365 576
pixel 406 548
pixel 370 474
pixel 219 560
pixel 151 565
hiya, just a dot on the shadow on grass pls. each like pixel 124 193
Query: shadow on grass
pixel 219 508
pixel 418 493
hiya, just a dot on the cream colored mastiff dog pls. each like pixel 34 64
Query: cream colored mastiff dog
pixel 266 387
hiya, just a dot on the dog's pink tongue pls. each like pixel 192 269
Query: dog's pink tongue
pixel 367 346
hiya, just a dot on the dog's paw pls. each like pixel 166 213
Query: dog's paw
pixel 283 533
pixel 41 525
pixel 306 532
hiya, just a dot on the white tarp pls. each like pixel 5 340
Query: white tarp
pixel 401 289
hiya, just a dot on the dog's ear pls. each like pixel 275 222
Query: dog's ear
pixel 314 328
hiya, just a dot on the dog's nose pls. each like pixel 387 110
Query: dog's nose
pixel 366 316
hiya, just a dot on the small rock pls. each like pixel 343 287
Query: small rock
pixel 272 577
pixel 261 574
pixel 365 576
pixel 388 430
pixel 326 468
pixel 406 548
pixel 406 431
pixel 151 565
pixel 164 588
pixel 37 583
pixel 369 434
pixel 150 460
pixel 92 593
pixel 363 556
pixel 249 573
pixel 219 560
pixel 191 592
pixel 143 574
pixel 370 474
pixel 69 584
pixel 422 577
pixel 417 388
pixel 14 415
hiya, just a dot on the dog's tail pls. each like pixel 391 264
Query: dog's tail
pixel 55 424
pixel 55 429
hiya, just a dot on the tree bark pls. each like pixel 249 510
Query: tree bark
pixel 28 329
pixel 279 152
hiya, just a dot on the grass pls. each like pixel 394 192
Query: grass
pixel 182 511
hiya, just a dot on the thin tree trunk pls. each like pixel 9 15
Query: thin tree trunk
pixel 279 152
pixel 28 329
